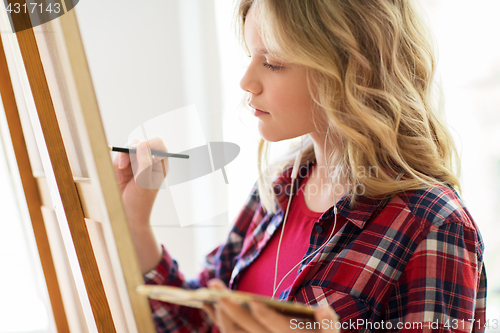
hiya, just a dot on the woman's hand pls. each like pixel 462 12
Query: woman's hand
pixel 139 178
pixel 233 318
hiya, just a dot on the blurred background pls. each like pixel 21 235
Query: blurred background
pixel 151 57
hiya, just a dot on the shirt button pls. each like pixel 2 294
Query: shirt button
pixel 318 228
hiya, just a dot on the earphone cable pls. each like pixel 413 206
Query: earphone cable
pixel 275 289
pixel 294 175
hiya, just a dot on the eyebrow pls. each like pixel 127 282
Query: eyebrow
pixel 261 51
pixel 265 52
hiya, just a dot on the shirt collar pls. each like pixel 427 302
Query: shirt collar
pixel 358 215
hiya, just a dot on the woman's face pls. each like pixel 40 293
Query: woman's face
pixel 278 89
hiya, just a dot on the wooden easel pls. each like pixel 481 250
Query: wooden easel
pixel 68 179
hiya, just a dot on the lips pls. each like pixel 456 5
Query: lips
pixel 257 109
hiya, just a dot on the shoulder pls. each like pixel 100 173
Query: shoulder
pixel 438 209
pixel 437 205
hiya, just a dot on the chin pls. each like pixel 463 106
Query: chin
pixel 273 136
pixel 270 138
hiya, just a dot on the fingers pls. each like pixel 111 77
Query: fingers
pixel 209 309
pixel 269 318
pixel 245 319
pixel 148 146
pixel 122 160
pixel 160 163
pixel 220 317
pixel 226 314
pixel 216 284
pixel 226 324
pixel 149 171
pixel 326 314
pixel 232 317
pixel 278 323
pixel 143 157
pixel 121 164
pixel 157 144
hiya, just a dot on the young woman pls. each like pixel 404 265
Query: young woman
pixel 372 224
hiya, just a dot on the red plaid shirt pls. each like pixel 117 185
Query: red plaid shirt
pixel 416 265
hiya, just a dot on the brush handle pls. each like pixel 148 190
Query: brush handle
pixel 153 152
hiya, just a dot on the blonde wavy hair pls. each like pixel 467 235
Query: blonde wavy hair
pixel 371 68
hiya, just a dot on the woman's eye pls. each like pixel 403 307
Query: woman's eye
pixel 271 67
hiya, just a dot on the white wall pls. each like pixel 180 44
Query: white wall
pixel 469 67
pixel 148 58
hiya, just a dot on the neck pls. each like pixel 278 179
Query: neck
pixel 320 169
pixel 320 174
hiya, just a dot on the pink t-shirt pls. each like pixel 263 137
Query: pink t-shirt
pixel 258 277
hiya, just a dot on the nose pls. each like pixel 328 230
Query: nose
pixel 250 81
